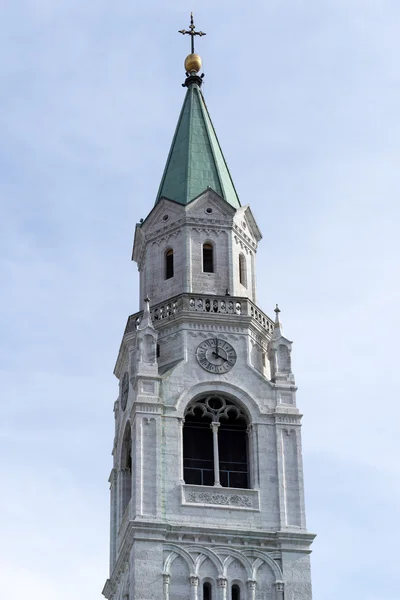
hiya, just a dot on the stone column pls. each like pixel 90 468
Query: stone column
pixel 214 427
pixel 181 424
pixel 251 586
pixel 280 586
pixel 166 581
pixel 222 584
pixel 252 435
pixel 194 583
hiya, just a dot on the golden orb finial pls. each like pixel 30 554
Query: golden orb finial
pixel 192 63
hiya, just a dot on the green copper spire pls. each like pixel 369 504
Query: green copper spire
pixel 195 161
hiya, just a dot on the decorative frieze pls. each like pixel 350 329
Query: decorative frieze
pixel 148 408
pixel 287 419
pixel 244 236
pixel 221 497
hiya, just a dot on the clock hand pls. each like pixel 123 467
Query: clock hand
pixel 219 356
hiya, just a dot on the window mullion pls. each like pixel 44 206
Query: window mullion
pixel 214 426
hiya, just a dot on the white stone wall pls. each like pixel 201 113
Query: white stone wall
pixel 185 229
pixel 173 537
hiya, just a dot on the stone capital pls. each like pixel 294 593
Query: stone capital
pixel 222 582
pixel 194 580
pixel 279 586
pixel 251 584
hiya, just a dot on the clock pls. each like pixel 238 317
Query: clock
pixel 216 356
pixel 124 390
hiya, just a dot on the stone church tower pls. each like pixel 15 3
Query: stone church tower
pixel 207 485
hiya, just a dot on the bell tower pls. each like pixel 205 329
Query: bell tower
pixel 207 497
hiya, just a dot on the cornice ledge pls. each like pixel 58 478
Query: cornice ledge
pixel 165 230
pixel 285 385
pixel 218 531
pixel 287 410
pixel 294 537
pixel 246 239
pixel 108 589
pixel 127 338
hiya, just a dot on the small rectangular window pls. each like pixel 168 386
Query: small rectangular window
pixel 169 264
pixel 242 270
pixel 208 258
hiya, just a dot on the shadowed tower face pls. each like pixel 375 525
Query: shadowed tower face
pixel 207 495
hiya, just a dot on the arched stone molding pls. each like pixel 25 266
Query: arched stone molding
pixel 205 553
pixel 176 551
pixel 168 562
pixel 238 395
pixel 263 557
pixel 194 564
pixel 235 555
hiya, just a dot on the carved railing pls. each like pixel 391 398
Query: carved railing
pixel 203 303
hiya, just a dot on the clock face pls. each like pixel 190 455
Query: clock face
pixel 216 356
pixel 124 390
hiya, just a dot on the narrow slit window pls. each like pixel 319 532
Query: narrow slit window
pixel 169 264
pixel 208 258
pixel 126 468
pixel 242 270
pixel 235 592
pixel 207 591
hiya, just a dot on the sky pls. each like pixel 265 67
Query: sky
pixel 305 97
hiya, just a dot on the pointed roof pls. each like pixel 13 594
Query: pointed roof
pixel 146 322
pixel 195 161
pixel 278 332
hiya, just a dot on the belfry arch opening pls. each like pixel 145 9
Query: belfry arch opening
pixel 215 444
pixel 126 468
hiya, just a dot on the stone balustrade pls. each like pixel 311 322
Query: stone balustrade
pixel 203 303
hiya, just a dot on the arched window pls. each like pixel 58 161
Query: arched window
pixel 242 270
pixel 149 348
pixel 169 263
pixel 215 443
pixel 235 595
pixel 208 258
pixel 126 468
pixel 207 591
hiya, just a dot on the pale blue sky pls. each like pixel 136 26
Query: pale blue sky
pixel 305 97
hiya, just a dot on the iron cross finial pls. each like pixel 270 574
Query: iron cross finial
pixel 192 32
